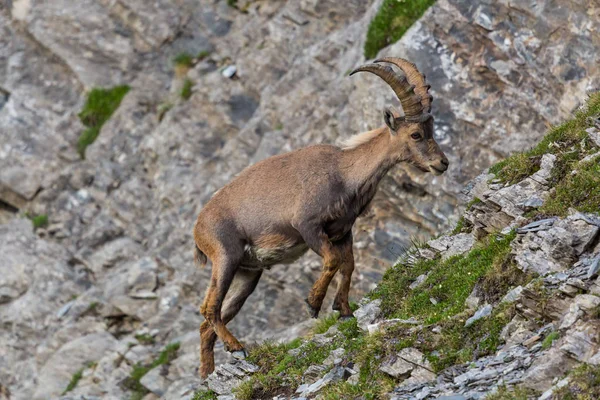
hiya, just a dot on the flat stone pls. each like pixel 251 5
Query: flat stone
pixel 155 382
pixel 481 313
pixel 450 246
pixel 397 369
pixel 594 268
pixel 513 295
pixel 368 313
pixel 587 302
pixel 418 281
pixel 335 357
pixel 313 373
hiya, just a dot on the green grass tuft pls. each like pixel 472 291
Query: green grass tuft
pixel 517 393
pixel 203 54
pixel 564 141
pixel 280 373
pixel 548 340
pixel 580 190
pixel 132 383
pixel 183 60
pixel 205 395
pixel 186 90
pixel 74 381
pixel 449 282
pixel 391 22
pixel 38 221
pixel 459 227
pixel 584 384
pixel 145 339
pixel 100 105
pixel 324 323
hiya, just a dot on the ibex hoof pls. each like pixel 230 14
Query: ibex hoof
pixel 313 312
pixel 345 317
pixel 239 354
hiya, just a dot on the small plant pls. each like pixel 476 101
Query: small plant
pixel 38 221
pixel 517 393
pixel 183 60
pixel 92 307
pixel 202 55
pixel 99 107
pixel 584 384
pixel 162 109
pixel 137 373
pixel 459 227
pixel 563 141
pixel 232 3
pixel 74 381
pixel 449 281
pixel 186 90
pixel 549 340
pixel 205 395
pixel 323 324
pixel 279 126
pixel 391 22
pixel 145 339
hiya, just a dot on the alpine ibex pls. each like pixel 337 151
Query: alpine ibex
pixel 277 209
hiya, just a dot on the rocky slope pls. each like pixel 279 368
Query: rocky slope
pixel 506 306
pixel 110 280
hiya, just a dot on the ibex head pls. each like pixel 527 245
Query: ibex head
pixel 412 134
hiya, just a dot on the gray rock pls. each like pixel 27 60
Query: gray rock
pixel 481 313
pixel 594 135
pixel 313 373
pixel 513 295
pixel 418 281
pixel 542 224
pixel 544 369
pixel 594 267
pixel 555 249
pixel 155 381
pixel 336 374
pixel 580 341
pixel 450 246
pixel 335 357
pixel 398 369
pixel 472 302
pixel 367 314
pixel 56 373
pixel 183 389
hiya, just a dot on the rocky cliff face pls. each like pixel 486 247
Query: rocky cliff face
pixel 115 259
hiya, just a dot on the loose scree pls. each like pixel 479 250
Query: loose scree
pixel 277 209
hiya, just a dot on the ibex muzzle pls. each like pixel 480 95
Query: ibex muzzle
pixel 277 209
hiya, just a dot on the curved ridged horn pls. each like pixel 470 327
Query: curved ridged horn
pixel 411 102
pixel 414 78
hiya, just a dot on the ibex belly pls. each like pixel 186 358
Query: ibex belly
pixel 269 250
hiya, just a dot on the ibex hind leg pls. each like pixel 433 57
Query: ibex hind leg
pixel 223 271
pixel 243 285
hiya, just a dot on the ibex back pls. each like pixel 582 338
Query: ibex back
pixel 277 209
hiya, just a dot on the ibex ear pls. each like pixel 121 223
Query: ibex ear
pixel 391 119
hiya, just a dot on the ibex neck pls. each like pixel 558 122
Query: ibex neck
pixel 366 164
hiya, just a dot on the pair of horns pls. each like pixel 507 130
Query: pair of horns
pixel 411 88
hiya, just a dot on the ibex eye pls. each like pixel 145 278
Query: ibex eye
pixel 416 136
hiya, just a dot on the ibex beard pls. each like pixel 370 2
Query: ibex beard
pixel 277 209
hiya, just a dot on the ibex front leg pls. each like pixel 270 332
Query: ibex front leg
pixel 341 303
pixel 332 254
